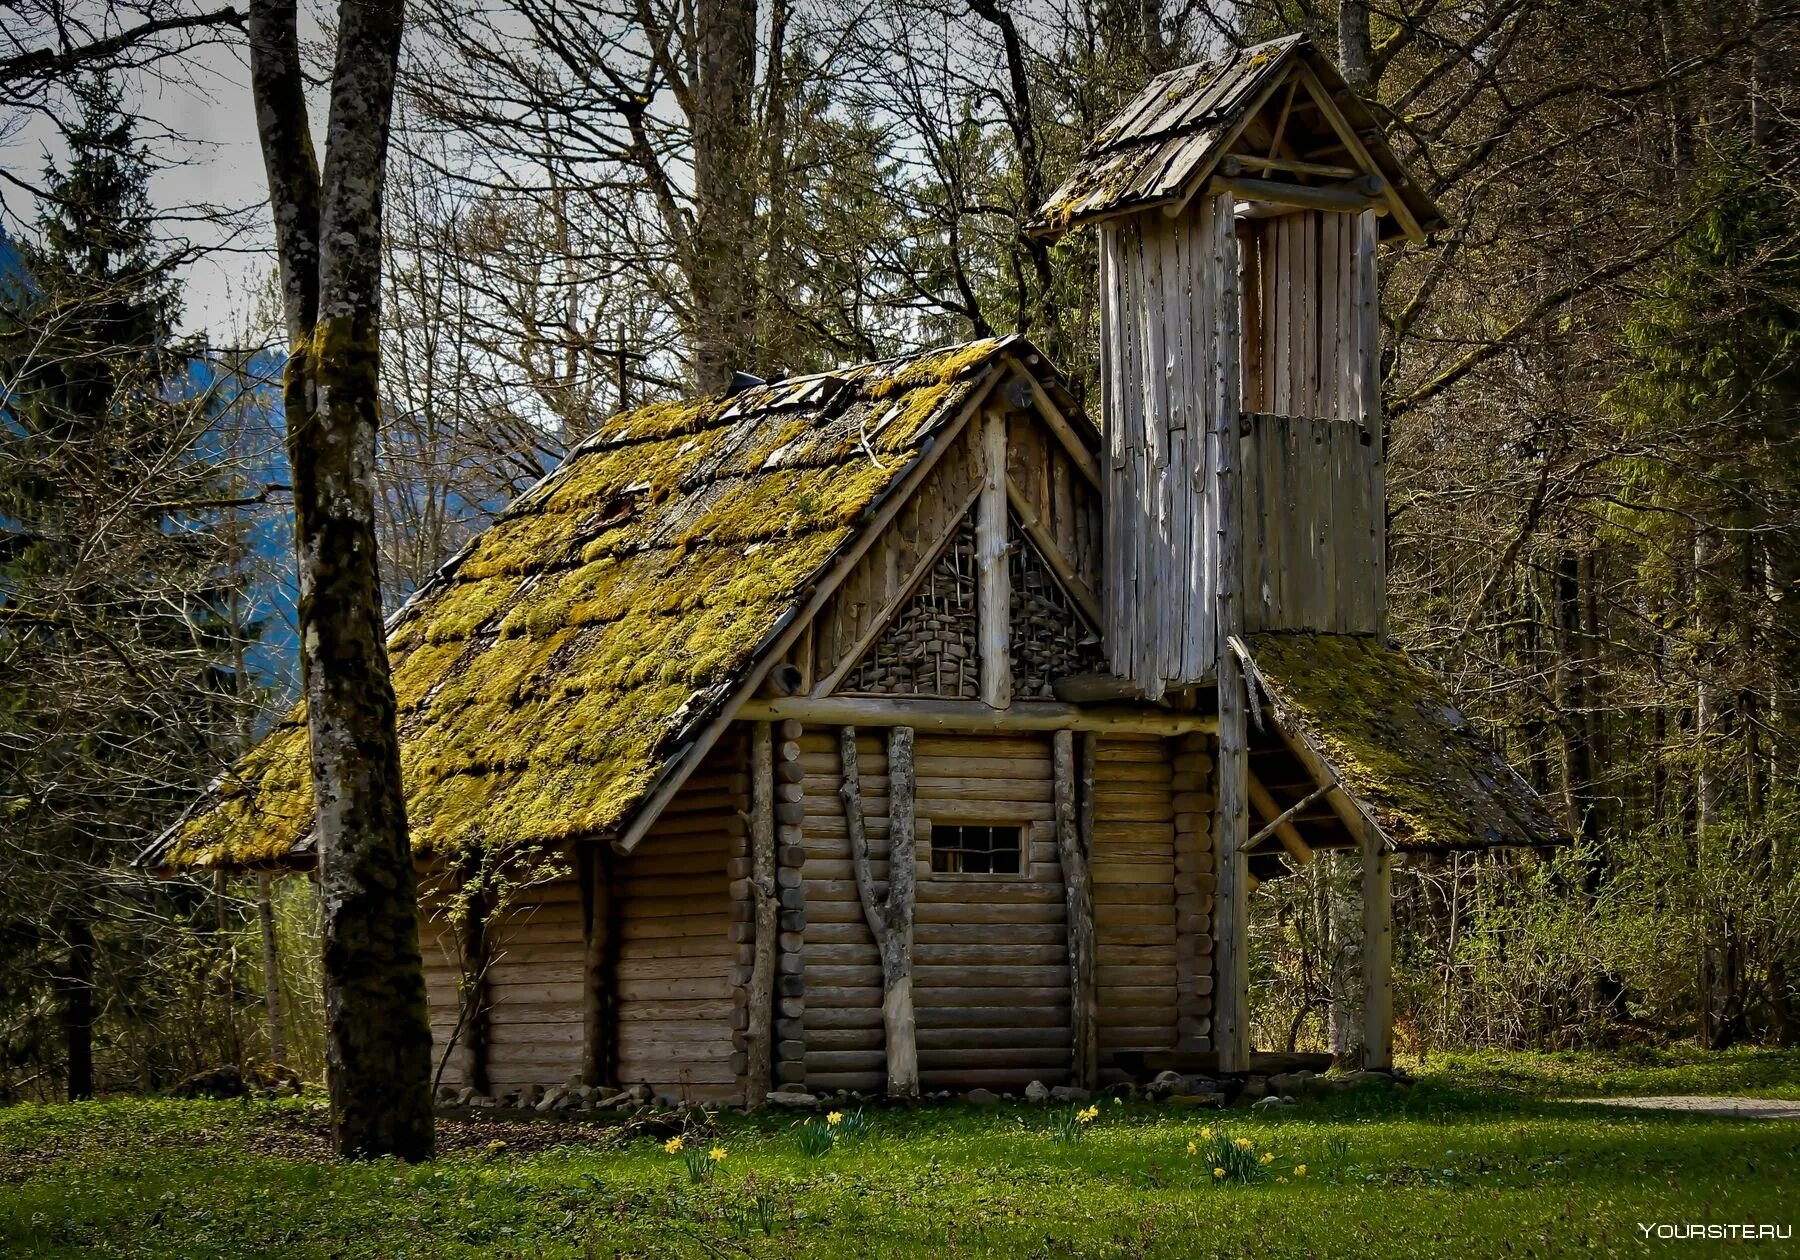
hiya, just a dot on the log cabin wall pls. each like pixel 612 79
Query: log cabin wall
pixel 533 988
pixel 675 953
pixel 442 959
pixel 991 974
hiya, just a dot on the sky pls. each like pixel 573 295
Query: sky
pixel 199 116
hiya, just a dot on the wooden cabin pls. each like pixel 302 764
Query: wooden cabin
pixel 899 727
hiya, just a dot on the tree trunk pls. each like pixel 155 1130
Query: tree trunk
pixel 599 1018
pixel 723 265
pixel 328 236
pixel 760 1032
pixel 271 966
pixel 1078 900
pixel 890 917
pixel 1356 54
pixel 77 984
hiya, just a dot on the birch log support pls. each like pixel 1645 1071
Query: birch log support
pixel 993 597
pixel 760 1070
pixel 1078 898
pixel 265 915
pixel 599 1039
pixel 890 917
pixel 1378 952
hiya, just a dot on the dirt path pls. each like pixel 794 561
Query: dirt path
pixel 1706 1104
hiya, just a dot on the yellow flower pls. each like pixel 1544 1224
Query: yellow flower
pixel 1219 1172
pixel 1281 1181
pixel 717 1154
pixel 1299 1170
pixel 1243 1144
pixel 1206 1131
pixel 673 1145
pixel 1087 1115
pixel 496 1146
pixel 835 1118
pixel 1193 1148
pixel 1266 1160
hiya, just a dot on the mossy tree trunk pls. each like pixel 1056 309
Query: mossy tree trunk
pixel 328 235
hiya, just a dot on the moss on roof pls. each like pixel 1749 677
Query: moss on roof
pixel 1402 749
pixel 545 675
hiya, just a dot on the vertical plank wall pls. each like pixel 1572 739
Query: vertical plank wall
pixel 675 953
pixel 991 978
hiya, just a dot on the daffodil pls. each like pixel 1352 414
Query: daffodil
pixel 1118 1101
pixel 1088 1115
pixel 1243 1144
pixel 1219 1173
pixel 1206 1131
pixel 1299 1170
pixel 673 1145
pixel 835 1118
pixel 1281 1181
pixel 1193 1148
pixel 717 1154
pixel 1266 1160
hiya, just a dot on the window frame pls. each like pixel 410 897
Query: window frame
pixel 1023 827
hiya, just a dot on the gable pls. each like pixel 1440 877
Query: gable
pixel 932 645
pixel 560 672
pixel 1275 120
pixel 1050 636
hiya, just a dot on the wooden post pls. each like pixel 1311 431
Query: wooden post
pixel 1078 898
pixel 265 914
pixel 890 918
pixel 994 600
pixel 599 1048
pixel 790 872
pixel 759 1071
pixel 1378 952
pixel 1231 998
pixel 471 982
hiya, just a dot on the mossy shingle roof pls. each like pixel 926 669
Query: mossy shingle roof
pixel 547 673
pixel 1401 749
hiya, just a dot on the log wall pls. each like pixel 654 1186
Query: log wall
pixel 534 988
pixel 991 978
pixel 675 953
pixel 1133 863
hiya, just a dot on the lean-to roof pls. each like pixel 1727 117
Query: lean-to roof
pixel 1404 754
pixel 548 675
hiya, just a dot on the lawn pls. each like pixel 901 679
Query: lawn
pixel 1479 1158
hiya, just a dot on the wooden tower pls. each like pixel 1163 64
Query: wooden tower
pixel 1239 205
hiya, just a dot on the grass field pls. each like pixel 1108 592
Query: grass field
pixel 1481 1157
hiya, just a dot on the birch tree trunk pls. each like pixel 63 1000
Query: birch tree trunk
pixel 723 266
pixel 328 236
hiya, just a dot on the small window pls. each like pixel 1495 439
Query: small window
pixel 974 849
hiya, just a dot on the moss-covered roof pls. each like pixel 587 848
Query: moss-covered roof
pixel 1400 748
pixel 547 673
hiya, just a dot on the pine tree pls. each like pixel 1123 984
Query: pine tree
pixel 112 644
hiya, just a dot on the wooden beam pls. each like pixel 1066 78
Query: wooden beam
pixel 759 1033
pixel 1359 152
pixel 1059 424
pixel 1053 556
pixel 1237 164
pixel 974 717
pixel 992 566
pixel 1280 820
pixel 1078 901
pixel 1377 952
pixel 1336 198
pixel 889 914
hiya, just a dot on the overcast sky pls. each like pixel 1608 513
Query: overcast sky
pixel 200 116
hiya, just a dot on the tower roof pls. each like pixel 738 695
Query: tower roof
pixel 1277 107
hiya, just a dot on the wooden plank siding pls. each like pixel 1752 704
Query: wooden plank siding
pixel 1066 503
pixel 534 1022
pixel 675 955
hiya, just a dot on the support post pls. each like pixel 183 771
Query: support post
pixel 994 598
pixel 599 1057
pixel 890 917
pixel 1378 952
pixel 1078 900
pixel 759 1071
pixel 265 915
pixel 1231 998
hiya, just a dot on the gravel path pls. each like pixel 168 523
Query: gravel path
pixel 1712 1105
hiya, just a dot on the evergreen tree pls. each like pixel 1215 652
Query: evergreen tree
pixel 113 691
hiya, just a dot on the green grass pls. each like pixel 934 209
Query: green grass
pixel 1478 1159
